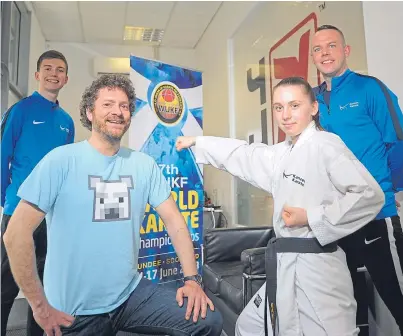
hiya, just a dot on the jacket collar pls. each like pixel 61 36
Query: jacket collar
pixel 42 99
pixel 305 135
pixel 337 82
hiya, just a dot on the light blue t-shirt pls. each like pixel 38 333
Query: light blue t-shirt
pixel 95 206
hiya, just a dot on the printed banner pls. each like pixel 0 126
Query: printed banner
pixel 168 105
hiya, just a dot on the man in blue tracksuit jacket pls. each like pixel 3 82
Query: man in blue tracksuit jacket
pixel 357 108
pixel 29 130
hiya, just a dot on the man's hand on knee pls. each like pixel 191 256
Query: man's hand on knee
pixel 50 319
pixel 197 300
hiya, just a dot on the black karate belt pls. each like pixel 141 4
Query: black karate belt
pixel 284 245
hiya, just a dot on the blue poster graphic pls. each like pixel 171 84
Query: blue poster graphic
pixel 168 104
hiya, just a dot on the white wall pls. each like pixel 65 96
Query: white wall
pixel 212 58
pixel 12 98
pixel 383 40
pixel 80 58
pixel 37 47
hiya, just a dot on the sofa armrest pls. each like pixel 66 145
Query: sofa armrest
pixel 253 261
pixel 254 273
pixel 224 245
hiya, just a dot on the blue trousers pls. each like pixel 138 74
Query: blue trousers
pixel 150 309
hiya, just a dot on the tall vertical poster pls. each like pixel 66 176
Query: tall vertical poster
pixel 168 104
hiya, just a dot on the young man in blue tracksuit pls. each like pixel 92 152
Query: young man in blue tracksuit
pixel 29 130
pixel 363 112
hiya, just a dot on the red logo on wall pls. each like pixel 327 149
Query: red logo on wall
pixel 283 65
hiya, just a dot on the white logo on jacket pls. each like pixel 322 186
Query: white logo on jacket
pixel 354 104
pixel 64 129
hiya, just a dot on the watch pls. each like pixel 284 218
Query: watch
pixel 197 278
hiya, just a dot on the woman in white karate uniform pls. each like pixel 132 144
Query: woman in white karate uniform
pixel 321 193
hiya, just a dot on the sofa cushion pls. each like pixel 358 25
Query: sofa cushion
pixel 230 290
pixel 227 244
pixel 214 272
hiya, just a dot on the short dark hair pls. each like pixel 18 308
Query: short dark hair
pixel 51 54
pixel 326 27
pixel 110 81
pixel 299 81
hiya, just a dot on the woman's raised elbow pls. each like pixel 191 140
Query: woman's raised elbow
pixel 378 197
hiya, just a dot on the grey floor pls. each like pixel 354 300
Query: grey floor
pixel 18 316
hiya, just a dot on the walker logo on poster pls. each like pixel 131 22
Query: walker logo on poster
pixel 168 105
pixel 290 56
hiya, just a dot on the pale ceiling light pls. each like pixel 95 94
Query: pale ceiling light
pixel 143 34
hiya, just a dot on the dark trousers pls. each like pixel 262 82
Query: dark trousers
pixel 9 289
pixel 371 247
pixel 150 309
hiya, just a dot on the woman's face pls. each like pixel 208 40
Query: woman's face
pixel 293 109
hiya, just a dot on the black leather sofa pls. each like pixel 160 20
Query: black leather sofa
pixel 233 268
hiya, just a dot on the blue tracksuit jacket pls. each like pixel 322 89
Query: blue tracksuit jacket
pixel 30 129
pixel 359 111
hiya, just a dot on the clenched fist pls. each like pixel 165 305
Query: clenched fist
pixel 184 142
pixel 294 216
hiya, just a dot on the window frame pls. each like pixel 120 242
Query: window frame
pixel 14 48
pixel 19 87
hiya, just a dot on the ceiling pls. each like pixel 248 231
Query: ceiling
pixel 184 22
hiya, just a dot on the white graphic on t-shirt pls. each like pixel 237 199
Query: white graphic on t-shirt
pixel 111 199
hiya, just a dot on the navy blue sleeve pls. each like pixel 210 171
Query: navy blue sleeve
pixel 384 108
pixel 11 127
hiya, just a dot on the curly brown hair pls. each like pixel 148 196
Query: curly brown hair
pixel 111 81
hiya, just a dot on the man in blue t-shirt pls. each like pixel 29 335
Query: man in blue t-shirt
pixel 29 130
pixel 361 110
pixel 94 195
